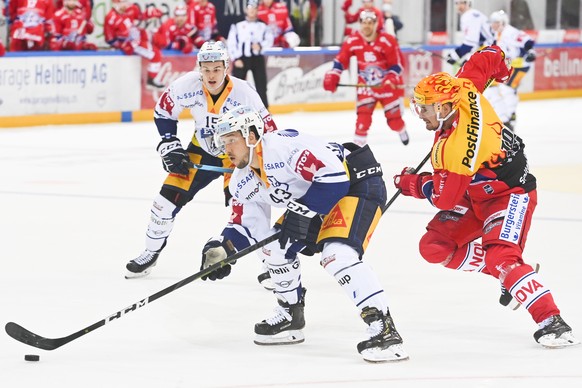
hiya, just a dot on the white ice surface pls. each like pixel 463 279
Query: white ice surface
pixel 74 205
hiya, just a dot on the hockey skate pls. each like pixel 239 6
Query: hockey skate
pixel 143 264
pixel 555 333
pixel 385 344
pixel 505 299
pixel 151 83
pixel 284 328
pixel 404 137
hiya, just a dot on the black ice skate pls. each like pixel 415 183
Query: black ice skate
pixel 151 83
pixel 284 328
pixel 404 137
pixel 385 344
pixel 505 299
pixel 555 334
pixel 143 264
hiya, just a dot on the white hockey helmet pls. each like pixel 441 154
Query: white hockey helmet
pixel 212 52
pixel 499 17
pixel 244 119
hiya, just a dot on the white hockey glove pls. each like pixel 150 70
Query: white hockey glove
pixel 216 250
pixel 174 157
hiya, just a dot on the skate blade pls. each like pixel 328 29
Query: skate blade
pixel 390 354
pixel 137 275
pixel 565 340
pixel 289 337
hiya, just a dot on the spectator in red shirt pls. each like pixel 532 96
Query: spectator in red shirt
pixel 84 5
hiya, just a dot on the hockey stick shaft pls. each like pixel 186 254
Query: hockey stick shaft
pixel 368 86
pixel 27 337
pixel 422 163
pixel 206 167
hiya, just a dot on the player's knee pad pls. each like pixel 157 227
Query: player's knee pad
pixel 355 277
pixel 502 258
pixel 161 223
pixel 436 248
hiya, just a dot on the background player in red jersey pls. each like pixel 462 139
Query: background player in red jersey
pixel 202 15
pixel 482 186
pixel 176 33
pixel 276 16
pixel 31 23
pixel 71 27
pixel 380 66
pixel 122 32
pixel 367 5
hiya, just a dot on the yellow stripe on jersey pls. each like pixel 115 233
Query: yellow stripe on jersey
pixel 215 107
pixel 475 141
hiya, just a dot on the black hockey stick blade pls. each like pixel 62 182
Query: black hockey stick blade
pixel 27 337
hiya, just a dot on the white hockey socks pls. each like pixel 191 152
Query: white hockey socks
pixel 161 223
pixel 355 277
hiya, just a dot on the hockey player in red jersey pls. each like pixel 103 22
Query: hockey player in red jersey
pixel 31 23
pixel 482 185
pixel 84 5
pixel 276 16
pixel 176 33
pixel 202 15
pixel 122 32
pixel 380 66
pixel 71 28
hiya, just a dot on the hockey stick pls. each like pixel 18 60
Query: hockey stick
pixel 426 158
pixel 369 86
pixel 206 167
pixel 27 337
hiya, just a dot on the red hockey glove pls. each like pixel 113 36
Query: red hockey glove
pixel 331 80
pixel 411 184
pixel 126 47
pixel 346 5
pixel 393 80
pixel 153 13
pixel 503 72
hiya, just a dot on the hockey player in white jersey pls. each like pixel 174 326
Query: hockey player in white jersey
pixel 475 29
pixel 208 93
pixel 333 196
pixel 518 48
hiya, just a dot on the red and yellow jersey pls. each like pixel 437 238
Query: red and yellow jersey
pixel 478 156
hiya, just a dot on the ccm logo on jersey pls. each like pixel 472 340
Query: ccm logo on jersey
pixel 308 165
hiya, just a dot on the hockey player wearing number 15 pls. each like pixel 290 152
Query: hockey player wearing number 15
pixel 208 93
pixel 328 210
pixel 482 185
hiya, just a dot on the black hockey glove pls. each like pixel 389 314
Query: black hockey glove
pixel 453 58
pixel 530 56
pixel 295 226
pixel 174 157
pixel 216 250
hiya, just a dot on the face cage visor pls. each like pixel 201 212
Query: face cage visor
pixel 427 111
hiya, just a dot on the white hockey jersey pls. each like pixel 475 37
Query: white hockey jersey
pixel 188 92
pixel 512 41
pixel 476 29
pixel 291 164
